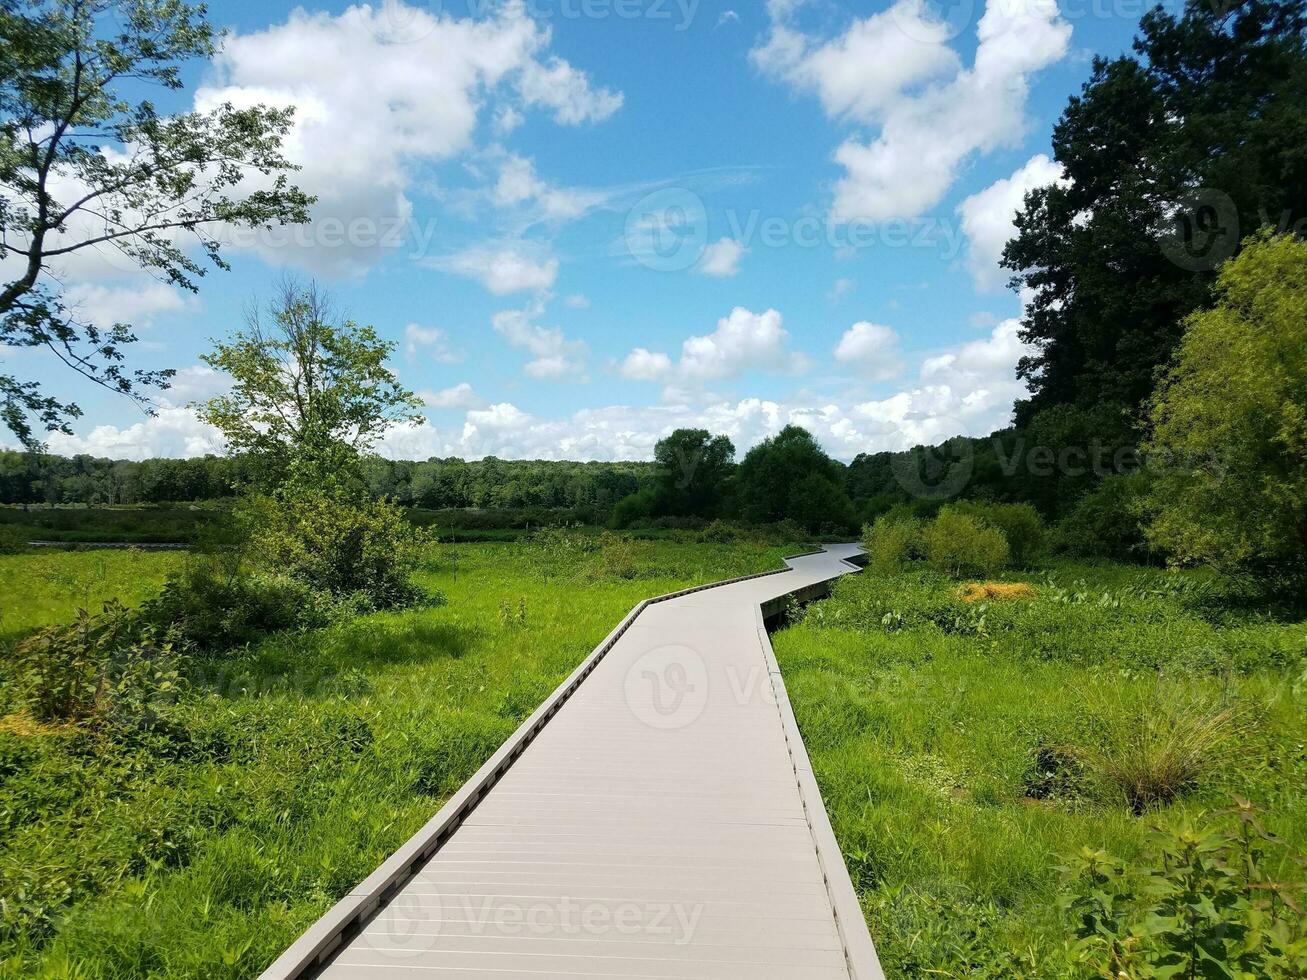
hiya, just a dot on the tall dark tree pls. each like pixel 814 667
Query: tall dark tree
pixel 789 476
pixel 84 168
pixel 694 470
pixel 1170 156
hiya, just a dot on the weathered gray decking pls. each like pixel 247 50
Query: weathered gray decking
pixel 663 823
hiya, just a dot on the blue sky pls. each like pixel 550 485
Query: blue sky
pixel 587 222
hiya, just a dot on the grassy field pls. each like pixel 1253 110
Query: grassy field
pixel 940 731
pixel 203 847
pixel 182 524
pixel 48 586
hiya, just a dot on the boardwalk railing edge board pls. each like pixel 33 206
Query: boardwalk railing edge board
pixel 863 961
pixel 316 946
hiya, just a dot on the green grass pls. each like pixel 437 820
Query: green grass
pixel 44 587
pixel 203 847
pixel 925 717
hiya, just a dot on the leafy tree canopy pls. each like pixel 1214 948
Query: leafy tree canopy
pixel 1167 155
pixel 694 470
pixel 1229 421
pixel 83 167
pixel 773 472
pixel 309 394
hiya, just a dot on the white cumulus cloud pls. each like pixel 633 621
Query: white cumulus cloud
pixel 460 395
pixel 137 304
pixel 554 356
pixel 989 216
pixel 743 341
pixel 859 74
pixel 896 73
pixel 721 259
pixel 371 112
pixel 924 139
pixel 173 432
pixel 646 365
pixel 871 349
pixel 519 184
pixel 430 341
pixel 558 86
pixel 962 390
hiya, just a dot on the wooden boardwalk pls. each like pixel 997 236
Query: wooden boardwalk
pixel 656 818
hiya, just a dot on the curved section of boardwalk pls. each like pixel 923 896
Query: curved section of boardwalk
pixel 663 823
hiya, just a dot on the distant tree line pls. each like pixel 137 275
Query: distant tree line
pixel 694 477
pixel 28 478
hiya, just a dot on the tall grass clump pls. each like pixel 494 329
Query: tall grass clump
pixel 13 540
pixel 958 544
pixel 1155 749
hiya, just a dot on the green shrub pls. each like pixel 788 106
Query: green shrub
pixel 719 532
pixel 213 607
pixel 633 510
pixel 96 665
pixel 820 506
pixel 1227 429
pixel 892 542
pixel 617 557
pixel 785 532
pixel 559 551
pixel 1021 526
pixel 341 546
pixel 957 544
pixel 877 506
pixel 1199 903
pixel 1105 523
pixel 13 539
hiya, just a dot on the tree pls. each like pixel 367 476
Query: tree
pixel 310 396
pixel 83 167
pixel 774 478
pixel 1167 154
pixel 307 392
pixel 694 469
pixel 819 504
pixel 1228 424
